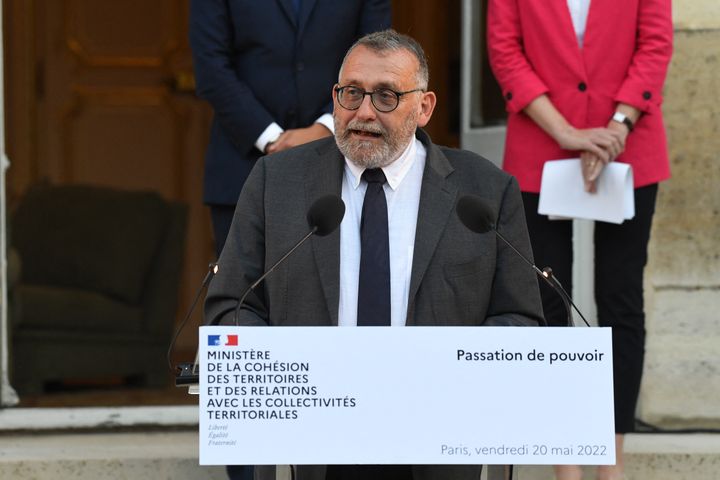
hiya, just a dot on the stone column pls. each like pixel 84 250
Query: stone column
pixel 8 397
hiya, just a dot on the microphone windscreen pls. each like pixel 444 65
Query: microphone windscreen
pixel 326 213
pixel 475 213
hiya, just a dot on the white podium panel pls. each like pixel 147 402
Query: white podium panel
pixel 413 395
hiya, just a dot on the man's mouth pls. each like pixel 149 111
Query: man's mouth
pixel 365 133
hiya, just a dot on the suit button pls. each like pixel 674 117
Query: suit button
pixel 647 95
pixel 582 86
pixel 508 96
pixel 300 66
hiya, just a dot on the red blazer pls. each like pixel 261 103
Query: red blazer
pixel 627 47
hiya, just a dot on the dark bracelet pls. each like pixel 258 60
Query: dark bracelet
pixel 622 118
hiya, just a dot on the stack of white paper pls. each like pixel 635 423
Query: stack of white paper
pixel 563 195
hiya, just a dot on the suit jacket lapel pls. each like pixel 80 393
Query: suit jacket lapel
pixel 597 20
pixel 567 30
pixel 299 21
pixel 306 8
pixel 323 180
pixel 437 204
pixel 287 6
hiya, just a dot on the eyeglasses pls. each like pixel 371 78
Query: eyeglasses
pixel 384 100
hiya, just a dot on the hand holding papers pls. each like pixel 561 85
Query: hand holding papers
pixel 562 193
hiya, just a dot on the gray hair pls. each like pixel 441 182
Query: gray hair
pixel 391 41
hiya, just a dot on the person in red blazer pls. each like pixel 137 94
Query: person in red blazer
pixel 584 78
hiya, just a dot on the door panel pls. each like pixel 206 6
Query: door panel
pixel 127 138
pixel 125 34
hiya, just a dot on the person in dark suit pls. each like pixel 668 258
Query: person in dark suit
pixel 265 67
pixel 437 272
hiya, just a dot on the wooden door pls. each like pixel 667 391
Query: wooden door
pixel 435 24
pixel 101 92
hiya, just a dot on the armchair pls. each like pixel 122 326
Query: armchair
pixel 98 286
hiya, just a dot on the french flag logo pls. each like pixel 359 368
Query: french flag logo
pixel 222 340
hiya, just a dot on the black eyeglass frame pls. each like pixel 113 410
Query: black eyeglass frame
pixel 339 90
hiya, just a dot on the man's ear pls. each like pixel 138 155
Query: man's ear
pixel 427 105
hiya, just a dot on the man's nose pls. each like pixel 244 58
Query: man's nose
pixel 366 111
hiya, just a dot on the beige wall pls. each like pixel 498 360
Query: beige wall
pixel 696 14
pixel 682 371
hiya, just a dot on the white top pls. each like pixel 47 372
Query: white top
pixel 273 131
pixel 579 13
pixel 402 191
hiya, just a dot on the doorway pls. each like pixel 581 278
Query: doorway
pixel 101 93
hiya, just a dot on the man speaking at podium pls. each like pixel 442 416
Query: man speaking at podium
pixel 401 256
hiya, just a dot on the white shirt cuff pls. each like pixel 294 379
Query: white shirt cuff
pixel 269 135
pixel 327 120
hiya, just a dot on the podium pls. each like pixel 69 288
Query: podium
pixel 412 395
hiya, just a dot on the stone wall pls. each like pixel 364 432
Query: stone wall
pixel 681 386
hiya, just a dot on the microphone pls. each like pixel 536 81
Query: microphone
pixel 323 217
pixel 478 216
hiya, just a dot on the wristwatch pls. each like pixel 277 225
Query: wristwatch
pixel 622 118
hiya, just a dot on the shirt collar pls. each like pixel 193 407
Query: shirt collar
pixel 395 172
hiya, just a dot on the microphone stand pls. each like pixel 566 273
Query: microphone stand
pixel 547 275
pixel 275 265
pixel 324 216
pixel 187 375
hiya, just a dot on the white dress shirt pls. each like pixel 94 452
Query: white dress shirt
pixel 272 132
pixel 402 191
pixel 579 12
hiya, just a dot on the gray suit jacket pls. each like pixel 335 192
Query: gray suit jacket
pixel 459 278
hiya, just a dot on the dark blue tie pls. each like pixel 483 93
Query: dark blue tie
pixel 374 285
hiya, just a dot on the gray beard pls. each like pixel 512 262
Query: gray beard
pixel 367 154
